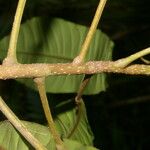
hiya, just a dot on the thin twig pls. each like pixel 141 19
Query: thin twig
pixel 84 49
pixel 82 87
pixel 79 102
pixel 11 54
pixel 14 120
pixel 145 60
pixel 40 82
pixel 78 118
pixel 136 100
pixel 126 61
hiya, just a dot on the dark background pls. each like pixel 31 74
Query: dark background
pixel 119 117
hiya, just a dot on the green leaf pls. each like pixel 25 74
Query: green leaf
pixel 10 139
pixel 45 40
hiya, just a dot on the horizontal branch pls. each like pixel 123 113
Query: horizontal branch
pixel 91 67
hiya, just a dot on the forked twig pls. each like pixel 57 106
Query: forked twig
pixel 40 82
pixel 84 49
pixel 14 120
pixel 121 63
pixel 11 54
pixel 79 103
pixel 145 60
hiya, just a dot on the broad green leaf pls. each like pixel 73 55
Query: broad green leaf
pixel 10 139
pixel 45 40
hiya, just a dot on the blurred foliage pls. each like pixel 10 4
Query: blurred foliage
pixel 16 142
pixel 127 22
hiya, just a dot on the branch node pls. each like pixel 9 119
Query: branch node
pixel 9 61
pixel 77 60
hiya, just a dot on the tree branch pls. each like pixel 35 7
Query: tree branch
pixel 14 120
pixel 84 49
pixel 91 67
pixel 40 82
pixel 11 54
